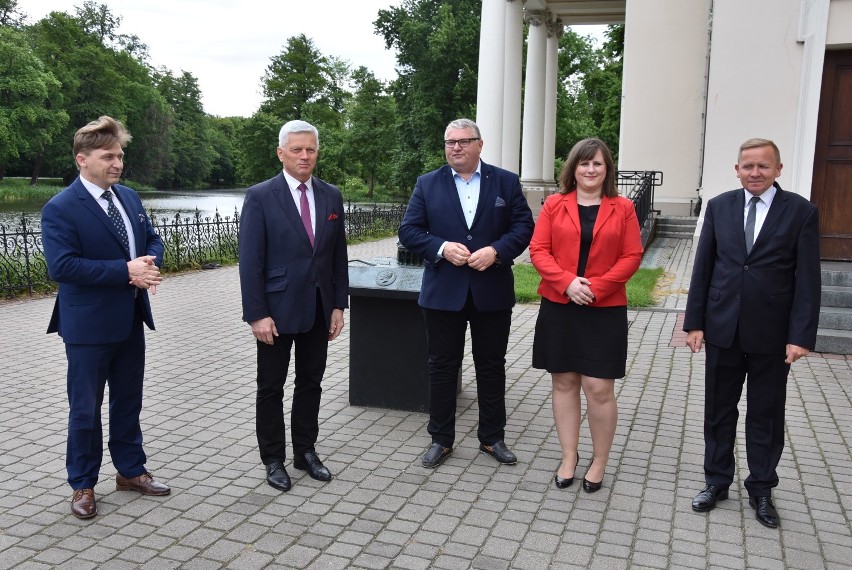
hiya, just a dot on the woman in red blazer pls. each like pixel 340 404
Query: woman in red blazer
pixel 585 246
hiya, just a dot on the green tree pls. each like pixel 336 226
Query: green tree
pixel 257 139
pixel 294 78
pixel 223 139
pixel 589 95
pixel 372 129
pixel 10 14
pixel 191 154
pixel 437 46
pixel 97 79
pixel 28 117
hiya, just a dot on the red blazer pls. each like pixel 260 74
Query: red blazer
pixel 614 256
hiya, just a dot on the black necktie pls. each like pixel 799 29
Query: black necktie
pixel 115 216
pixel 749 227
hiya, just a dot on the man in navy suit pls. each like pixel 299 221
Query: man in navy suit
pixel 754 298
pixel 101 249
pixel 468 221
pixel 294 279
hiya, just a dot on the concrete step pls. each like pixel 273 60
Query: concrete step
pixel 673 234
pixel 839 318
pixel 835 296
pixel 836 274
pixel 834 341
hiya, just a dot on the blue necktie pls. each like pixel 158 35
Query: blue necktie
pixel 115 216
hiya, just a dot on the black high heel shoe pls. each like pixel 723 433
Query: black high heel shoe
pixel 590 487
pixel 562 483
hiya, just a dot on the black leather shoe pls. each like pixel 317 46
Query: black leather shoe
pixel 500 452
pixel 764 511
pixel 435 455
pixel 564 483
pixel 310 462
pixel 277 476
pixel 589 486
pixel 706 500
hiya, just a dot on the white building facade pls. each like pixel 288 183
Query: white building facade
pixel 700 77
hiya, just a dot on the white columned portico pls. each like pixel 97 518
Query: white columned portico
pixel 534 88
pixel 512 81
pixel 554 32
pixel 489 102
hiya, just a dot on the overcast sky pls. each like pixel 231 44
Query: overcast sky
pixel 227 45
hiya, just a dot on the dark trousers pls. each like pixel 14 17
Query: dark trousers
pixel 725 373
pixel 90 368
pixel 272 365
pixel 445 332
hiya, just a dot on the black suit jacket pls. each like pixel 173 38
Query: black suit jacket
pixel 773 293
pixel 279 270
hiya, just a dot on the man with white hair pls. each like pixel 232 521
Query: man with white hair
pixel 295 285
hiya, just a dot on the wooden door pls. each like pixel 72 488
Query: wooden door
pixel 832 180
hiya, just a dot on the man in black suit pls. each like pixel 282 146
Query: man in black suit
pixel 754 298
pixel 295 285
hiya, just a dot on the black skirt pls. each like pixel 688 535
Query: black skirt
pixel 577 338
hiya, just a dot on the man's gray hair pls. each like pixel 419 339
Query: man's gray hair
pixel 296 127
pixel 463 124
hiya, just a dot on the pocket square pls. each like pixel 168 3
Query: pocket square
pixel 333 216
pixel 500 203
pixel 141 218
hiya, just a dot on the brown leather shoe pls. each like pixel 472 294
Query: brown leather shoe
pixel 144 483
pixel 83 505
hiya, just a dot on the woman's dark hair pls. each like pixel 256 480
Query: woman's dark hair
pixel 586 150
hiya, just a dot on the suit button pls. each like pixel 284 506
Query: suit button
pixel 469 238
pixel 746 267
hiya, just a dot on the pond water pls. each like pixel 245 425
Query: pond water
pixel 161 204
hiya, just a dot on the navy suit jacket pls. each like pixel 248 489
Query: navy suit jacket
pixel 86 257
pixel 279 270
pixel 503 220
pixel 773 293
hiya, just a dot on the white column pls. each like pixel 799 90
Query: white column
pixel 554 32
pixel 489 95
pixel 534 99
pixel 512 83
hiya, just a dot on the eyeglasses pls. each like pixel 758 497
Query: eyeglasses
pixel 464 143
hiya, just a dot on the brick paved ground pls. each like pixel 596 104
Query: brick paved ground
pixel 383 510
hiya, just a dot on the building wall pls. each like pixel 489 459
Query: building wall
pixel 664 86
pixel 839 24
pixel 754 87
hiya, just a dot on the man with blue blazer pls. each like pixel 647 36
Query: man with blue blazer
pixel 101 249
pixel 294 279
pixel 468 221
pixel 754 298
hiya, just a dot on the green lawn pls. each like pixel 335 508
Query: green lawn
pixel 640 288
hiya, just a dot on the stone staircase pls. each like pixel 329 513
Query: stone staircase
pixel 681 227
pixel 835 315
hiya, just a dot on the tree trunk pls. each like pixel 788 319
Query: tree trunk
pixel 36 169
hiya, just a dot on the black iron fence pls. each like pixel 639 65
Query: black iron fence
pixel 638 186
pixel 190 242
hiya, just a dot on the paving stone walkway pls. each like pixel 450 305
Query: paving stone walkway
pixel 383 510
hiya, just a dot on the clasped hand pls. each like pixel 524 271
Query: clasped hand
pixel 144 274
pixel 580 292
pixel 457 254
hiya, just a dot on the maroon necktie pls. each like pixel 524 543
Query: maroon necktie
pixel 306 212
